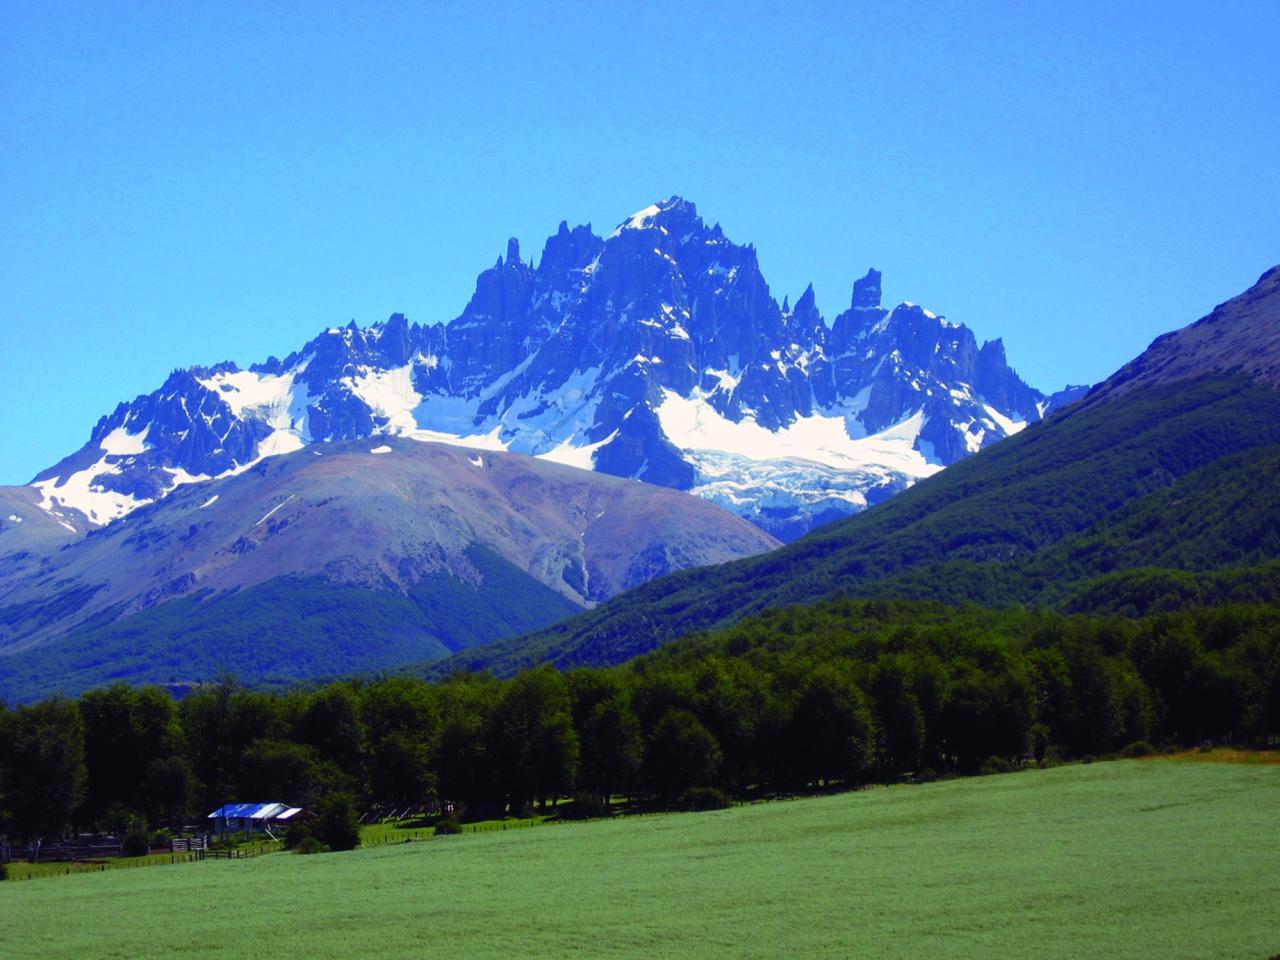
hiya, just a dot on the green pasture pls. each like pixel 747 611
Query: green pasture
pixel 1123 859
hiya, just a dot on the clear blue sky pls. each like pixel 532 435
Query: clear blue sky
pixel 186 183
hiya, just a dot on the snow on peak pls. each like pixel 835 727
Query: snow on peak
pixel 389 394
pixel 638 220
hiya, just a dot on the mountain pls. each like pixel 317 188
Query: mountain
pixel 656 353
pixel 354 556
pixel 24 526
pixel 1158 488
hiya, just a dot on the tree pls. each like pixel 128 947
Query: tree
pixel 987 715
pixel 682 753
pixel 207 722
pixel 731 698
pixel 831 729
pixel 898 715
pixel 167 791
pixel 46 757
pixel 463 767
pixel 532 740
pixel 277 770
pixel 400 705
pixel 611 748
pixel 399 769
pixel 125 729
pixel 330 723
pixel 338 823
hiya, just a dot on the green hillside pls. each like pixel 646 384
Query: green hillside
pixel 1179 477
pixel 289 630
pixel 1134 859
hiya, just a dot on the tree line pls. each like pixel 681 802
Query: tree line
pixel 843 692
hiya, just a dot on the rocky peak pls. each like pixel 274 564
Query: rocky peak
pixel 863 314
pixel 656 353
pixel 568 250
pixel 866 291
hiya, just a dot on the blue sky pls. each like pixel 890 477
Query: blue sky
pixel 184 183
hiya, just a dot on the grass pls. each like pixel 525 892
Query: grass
pixel 1123 859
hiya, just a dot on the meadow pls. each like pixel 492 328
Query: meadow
pixel 1134 858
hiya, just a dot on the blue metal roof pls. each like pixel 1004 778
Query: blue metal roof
pixel 248 811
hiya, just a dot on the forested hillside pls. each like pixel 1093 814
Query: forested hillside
pixel 841 692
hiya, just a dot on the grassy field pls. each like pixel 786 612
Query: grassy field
pixel 1123 859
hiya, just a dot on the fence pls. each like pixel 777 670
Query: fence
pixel 95 848
pixel 41 869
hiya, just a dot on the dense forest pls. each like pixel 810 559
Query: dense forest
pixel 843 692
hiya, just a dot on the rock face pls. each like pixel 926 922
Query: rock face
pixel 657 353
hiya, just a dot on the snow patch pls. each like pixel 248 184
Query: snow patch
pixel 208 503
pixel 278 442
pixel 266 395
pixel 694 425
pixel 121 443
pixel 275 508
pixel 382 449
pixel 83 491
pixel 1010 427
pixel 389 394
pixel 582 456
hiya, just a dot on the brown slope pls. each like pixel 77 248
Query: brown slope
pixel 379 520
pixel 1239 336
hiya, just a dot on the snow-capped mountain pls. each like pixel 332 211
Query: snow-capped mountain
pixel 656 353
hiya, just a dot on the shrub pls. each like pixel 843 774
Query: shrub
pixel 994 765
pixel 1139 748
pixel 587 806
pixel 1052 758
pixel 448 826
pixel 4 871
pixel 228 840
pixel 338 825
pixel 705 798
pixel 298 833
pixel 136 844
pixel 309 844
pixel 927 775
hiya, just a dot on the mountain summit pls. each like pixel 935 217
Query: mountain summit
pixel 656 353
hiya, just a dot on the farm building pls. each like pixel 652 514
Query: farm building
pixel 260 817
